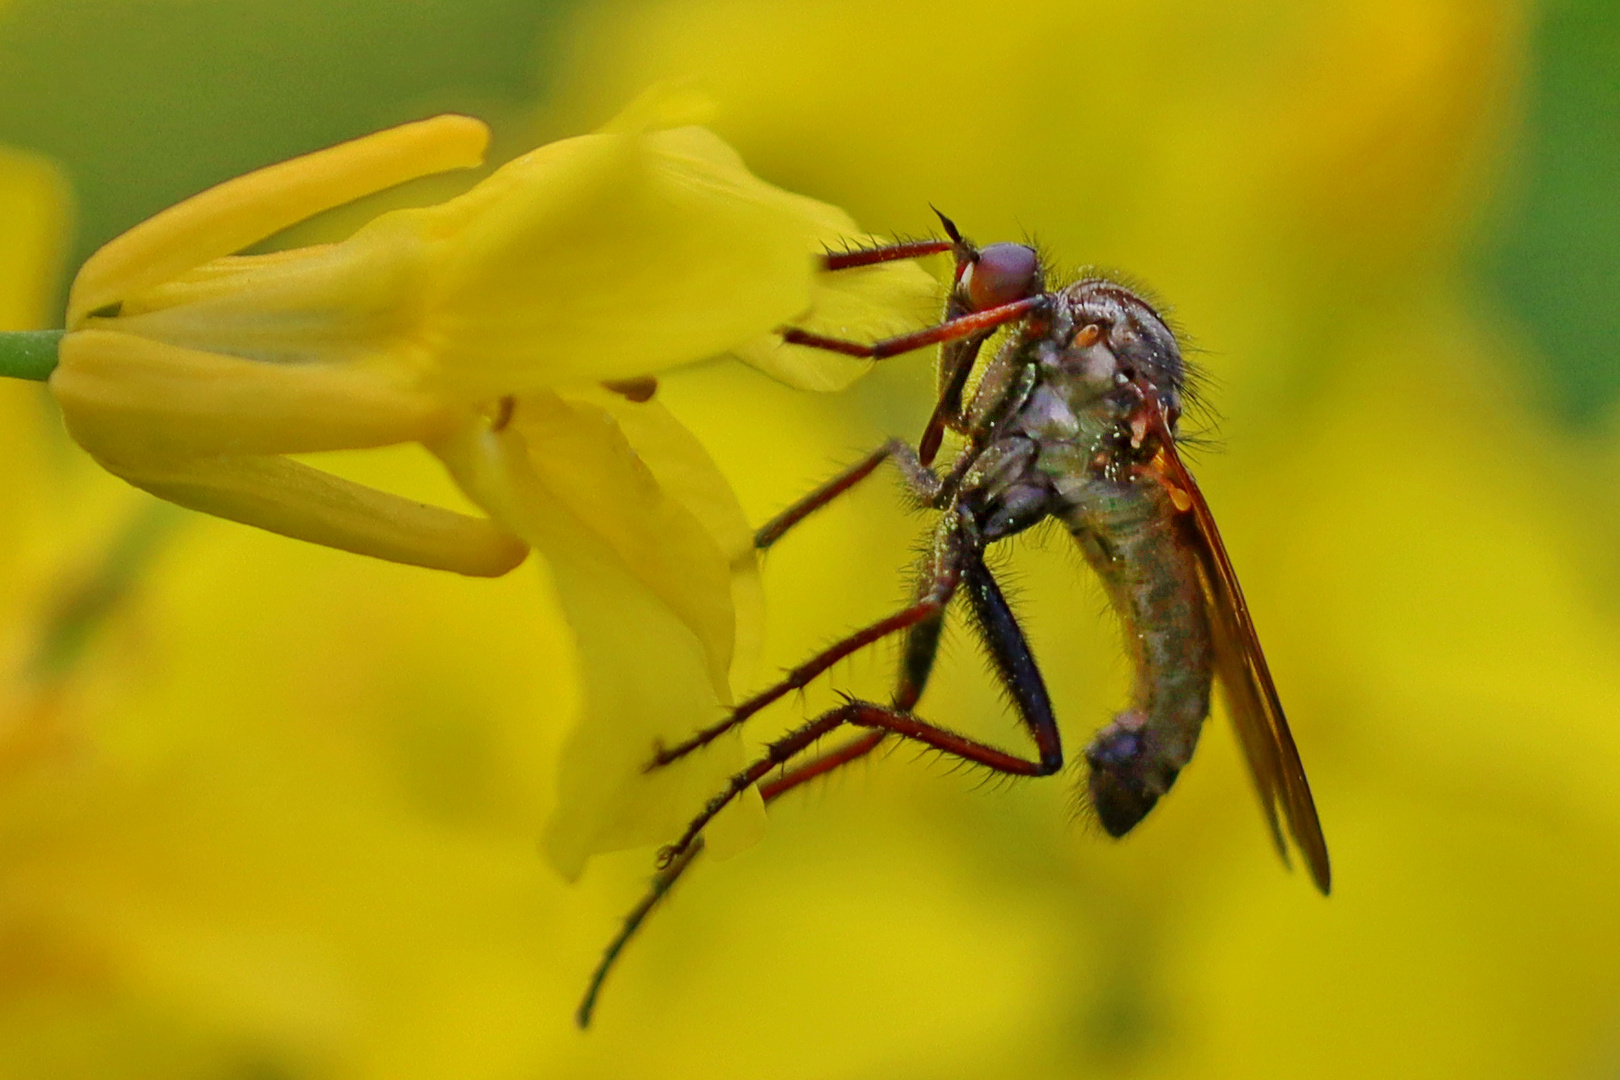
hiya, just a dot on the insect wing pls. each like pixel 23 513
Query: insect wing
pixel 1240 665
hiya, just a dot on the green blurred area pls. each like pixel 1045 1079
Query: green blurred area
pixel 1554 263
pixel 146 102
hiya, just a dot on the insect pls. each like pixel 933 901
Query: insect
pixel 1074 418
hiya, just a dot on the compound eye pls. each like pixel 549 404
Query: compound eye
pixel 1003 273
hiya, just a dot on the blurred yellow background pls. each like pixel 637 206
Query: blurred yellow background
pixel 269 810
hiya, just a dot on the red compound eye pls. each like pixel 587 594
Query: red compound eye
pixel 1002 274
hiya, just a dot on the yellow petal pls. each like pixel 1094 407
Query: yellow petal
pixel 581 456
pixel 643 681
pixel 687 474
pixel 352 303
pixel 125 397
pixel 231 216
pixel 865 304
pixel 608 256
pixel 644 674
pixel 292 499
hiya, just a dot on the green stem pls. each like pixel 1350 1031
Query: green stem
pixel 29 354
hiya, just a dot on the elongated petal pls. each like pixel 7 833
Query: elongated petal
pixel 231 216
pixel 130 397
pixel 644 674
pixel 292 499
pixel 335 304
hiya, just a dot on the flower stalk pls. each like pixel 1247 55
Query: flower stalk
pixel 29 354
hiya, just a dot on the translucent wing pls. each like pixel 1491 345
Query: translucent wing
pixel 1240 666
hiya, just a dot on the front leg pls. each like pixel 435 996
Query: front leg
pixel 954 329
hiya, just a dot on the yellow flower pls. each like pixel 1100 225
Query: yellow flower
pixel 481 328
pixel 190 371
pixel 652 561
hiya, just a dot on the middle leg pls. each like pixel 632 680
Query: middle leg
pixel 665 880
pixel 917 663
pixel 954 538
pixel 923 482
pixel 1015 664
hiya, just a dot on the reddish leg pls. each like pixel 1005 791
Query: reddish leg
pixel 924 483
pixel 941 586
pixel 854 750
pixel 774 529
pixel 949 330
pixel 922 644
pixel 666 878
pixel 777 753
pixel 907 725
pixel 801 676
pixel 849 260
pixel 1014 664
pixel 659 888
pixel 867 715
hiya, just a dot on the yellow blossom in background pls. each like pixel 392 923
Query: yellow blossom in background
pixel 35 530
pixel 30 238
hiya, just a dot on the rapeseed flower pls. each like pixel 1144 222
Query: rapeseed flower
pixel 484 328
pixel 189 369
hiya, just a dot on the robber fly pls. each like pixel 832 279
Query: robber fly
pixel 1073 418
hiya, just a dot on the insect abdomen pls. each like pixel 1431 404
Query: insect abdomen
pixel 1128 534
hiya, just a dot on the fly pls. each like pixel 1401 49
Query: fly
pixel 1074 418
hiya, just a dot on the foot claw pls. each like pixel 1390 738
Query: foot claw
pixel 658 759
